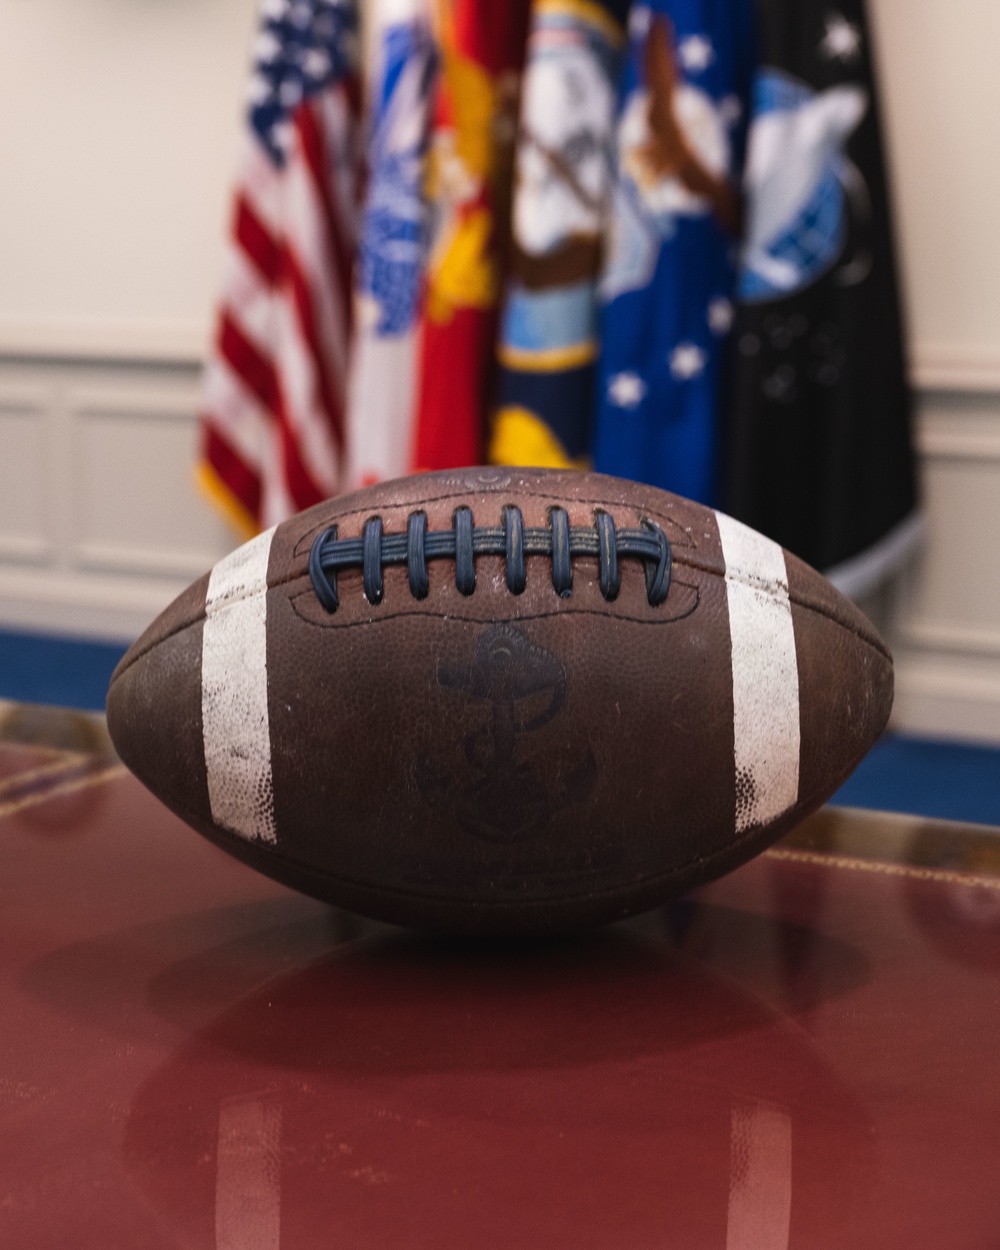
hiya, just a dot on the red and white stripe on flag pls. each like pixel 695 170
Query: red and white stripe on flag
pixel 273 416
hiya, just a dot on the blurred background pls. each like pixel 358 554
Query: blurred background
pixel 122 136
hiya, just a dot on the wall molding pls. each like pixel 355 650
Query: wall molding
pixel 127 558
pixel 941 437
pixel 180 343
pixel 937 701
pixel 947 367
pixel 951 367
pixel 88 605
pixel 24 548
pixel 952 639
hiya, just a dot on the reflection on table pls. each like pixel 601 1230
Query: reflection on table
pixel 800 1055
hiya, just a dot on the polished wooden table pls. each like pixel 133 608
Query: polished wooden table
pixel 804 1054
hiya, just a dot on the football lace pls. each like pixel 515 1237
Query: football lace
pixel 560 541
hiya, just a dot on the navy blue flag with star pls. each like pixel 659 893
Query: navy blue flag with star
pixel 816 419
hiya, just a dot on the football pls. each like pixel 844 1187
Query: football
pixel 501 701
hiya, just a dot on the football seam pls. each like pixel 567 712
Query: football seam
pixel 796 598
pixel 489 620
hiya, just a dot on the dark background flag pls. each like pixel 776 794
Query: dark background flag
pixel 816 427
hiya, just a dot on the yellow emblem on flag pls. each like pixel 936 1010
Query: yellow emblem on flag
pixel 462 271
pixel 521 437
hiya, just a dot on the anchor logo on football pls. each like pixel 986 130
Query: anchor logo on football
pixel 523 688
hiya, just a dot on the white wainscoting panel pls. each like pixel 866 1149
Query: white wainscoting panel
pixel 134 506
pixel 943 614
pixel 24 472
pixel 100 522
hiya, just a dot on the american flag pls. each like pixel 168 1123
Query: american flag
pixel 273 424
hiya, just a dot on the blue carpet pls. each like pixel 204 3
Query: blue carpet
pixel 943 779
pixel 949 780
pixel 67 671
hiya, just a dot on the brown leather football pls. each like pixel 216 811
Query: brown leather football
pixel 503 701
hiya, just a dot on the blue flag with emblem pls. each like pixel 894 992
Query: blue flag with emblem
pixel 668 278
pixel 548 342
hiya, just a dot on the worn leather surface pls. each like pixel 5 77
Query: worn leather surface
pixel 498 762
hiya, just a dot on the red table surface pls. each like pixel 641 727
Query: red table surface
pixel 803 1054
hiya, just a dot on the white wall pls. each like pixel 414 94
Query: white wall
pixel 119 121
pixel 941 99
pixel 119 126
